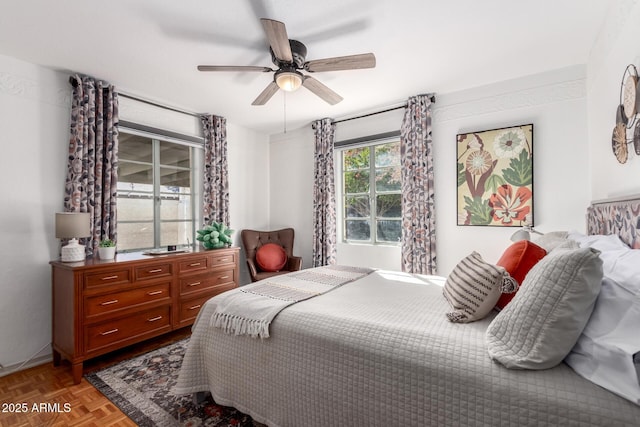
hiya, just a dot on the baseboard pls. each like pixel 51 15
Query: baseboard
pixel 7 370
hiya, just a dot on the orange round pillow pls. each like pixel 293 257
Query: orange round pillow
pixel 271 257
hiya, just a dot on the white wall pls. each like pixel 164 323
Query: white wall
pixel 616 47
pixel 34 113
pixel 554 102
pixel 248 155
pixel 291 188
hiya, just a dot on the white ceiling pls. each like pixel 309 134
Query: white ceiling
pixel 150 48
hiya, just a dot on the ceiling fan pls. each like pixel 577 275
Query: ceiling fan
pixel 290 57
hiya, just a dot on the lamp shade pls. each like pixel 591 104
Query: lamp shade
pixel 288 80
pixel 72 225
pixel 521 234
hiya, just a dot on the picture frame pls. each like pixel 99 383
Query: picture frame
pixel 495 177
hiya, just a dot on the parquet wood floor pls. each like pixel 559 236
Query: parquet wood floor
pixel 50 398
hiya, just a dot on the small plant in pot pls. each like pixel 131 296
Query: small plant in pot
pixel 107 249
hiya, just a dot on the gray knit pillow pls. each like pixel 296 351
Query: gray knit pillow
pixel 473 288
pixel 542 323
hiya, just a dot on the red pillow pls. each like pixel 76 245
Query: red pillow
pixel 271 257
pixel 518 259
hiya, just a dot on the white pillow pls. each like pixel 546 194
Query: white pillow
pixel 608 350
pixel 550 241
pixel 598 241
pixel 620 262
pixel 544 320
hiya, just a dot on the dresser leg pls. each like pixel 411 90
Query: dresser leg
pixel 76 370
pixel 56 358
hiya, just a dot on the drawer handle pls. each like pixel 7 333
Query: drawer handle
pixel 151 293
pixel 110 332
pixel 194 283
pixel 223 277
pixel 223 259
pixel 157 270
pixel 113 301
pixel 195 307
pixel 194 264
pixel 109 277
pixel 154 319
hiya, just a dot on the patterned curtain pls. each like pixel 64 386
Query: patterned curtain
pixel 418 213
pixel 92 167
pixel 324 195
pixel 216 170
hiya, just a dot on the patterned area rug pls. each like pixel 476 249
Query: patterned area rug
pixel 141 386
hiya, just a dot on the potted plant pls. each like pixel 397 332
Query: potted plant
pixel 107 249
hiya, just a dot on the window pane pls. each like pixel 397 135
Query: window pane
pixel 174 155
pixel 174 178
pixel 356 182
pixel 139 173
pixel 135 235
pixel 389 206
pixel 357 207
pixel 135 148
pixel 174 206
pixel 356 158
pixel 388 154
pixel 389 231
pixel 358 230
pixel 388 179
pixel 175 233
pixel 134 206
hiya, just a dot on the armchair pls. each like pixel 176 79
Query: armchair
pixel 252 240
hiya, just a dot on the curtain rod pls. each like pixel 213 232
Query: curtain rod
pixel 74 82
pixel 432 97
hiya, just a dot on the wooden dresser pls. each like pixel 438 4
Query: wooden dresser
pixel 101 306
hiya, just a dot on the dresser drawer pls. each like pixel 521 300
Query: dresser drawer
pixel 193 264
pixel 127 328
pixel 109 303
pixel 207 281
pixel 223 258
pixel 108 278
pixel 190 308
pixel 153 271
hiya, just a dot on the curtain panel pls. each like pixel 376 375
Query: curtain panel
pixel 92 165
pixel 418 213
pixel 216 171
pixel 324 195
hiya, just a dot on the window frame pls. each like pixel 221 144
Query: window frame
pixel 196 149
pixel 371 194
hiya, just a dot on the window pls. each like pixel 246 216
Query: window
pixel 371 193
pixel 155 192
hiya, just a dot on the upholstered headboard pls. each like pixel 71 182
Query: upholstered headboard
pixel 620 217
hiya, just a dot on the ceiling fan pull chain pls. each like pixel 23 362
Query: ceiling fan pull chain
pixel 285 110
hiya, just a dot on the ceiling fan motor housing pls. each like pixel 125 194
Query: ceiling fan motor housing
pixel 298 52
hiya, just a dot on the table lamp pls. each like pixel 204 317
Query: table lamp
pixel 71 225
pixel 524 233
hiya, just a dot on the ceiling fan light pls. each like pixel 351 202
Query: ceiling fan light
pixel 288 80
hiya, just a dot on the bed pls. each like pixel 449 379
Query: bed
pixel 379 351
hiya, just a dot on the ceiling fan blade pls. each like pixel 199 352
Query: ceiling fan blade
pixel 266 94
pixel 278 39
pixel 338 63
pixel 321 90
pixel 233 68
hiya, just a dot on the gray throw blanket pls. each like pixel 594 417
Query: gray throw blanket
pixel 249 310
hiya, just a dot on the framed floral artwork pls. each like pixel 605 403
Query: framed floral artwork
pixel 495 177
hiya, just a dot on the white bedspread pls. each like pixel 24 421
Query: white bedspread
pixel 379 351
